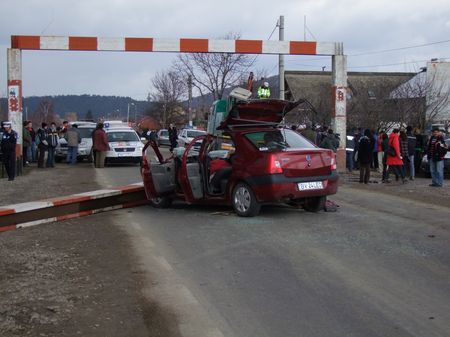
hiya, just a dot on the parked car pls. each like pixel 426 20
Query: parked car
pixel 84 148
pixel 186 136
pixel 268 164
pixel 125 146
pixel 163 137
pixel 425 165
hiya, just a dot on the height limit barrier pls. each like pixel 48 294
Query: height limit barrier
pixel 140 44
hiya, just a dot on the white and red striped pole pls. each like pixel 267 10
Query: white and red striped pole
pixel 186 45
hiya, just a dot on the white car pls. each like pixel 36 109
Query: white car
pixel 125 146
pixel 187 135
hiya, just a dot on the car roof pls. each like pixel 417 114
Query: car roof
pixel 120 130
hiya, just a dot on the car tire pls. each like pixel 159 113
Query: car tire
pixel 90 158
pixel 244 201
pixel 161 202
pixel 315 204
pixel 58 159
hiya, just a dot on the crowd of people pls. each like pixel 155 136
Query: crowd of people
pixel 38 146
pixel 399 153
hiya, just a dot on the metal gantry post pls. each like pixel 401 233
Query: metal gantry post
pixel 15 110
pixel 339 103
pixel 281 58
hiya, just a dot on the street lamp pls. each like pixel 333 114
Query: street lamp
pixel 128 112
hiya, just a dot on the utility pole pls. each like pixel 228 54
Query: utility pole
pixel 281 57
pixel 189 83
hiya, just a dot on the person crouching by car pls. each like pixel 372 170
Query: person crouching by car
pixel 100 146
pixel 436 150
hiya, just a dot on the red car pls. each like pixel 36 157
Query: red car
pixel 268 165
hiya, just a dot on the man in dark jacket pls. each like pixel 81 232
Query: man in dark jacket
pixel 365 156
pixel 26 142
pixel 436 150
pixel 330 141
pixel 173 137
pixel 8 147
pixel 52 140
pixel 42 142
pixel 100 145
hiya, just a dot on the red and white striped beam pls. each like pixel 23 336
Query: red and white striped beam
pixel 141 44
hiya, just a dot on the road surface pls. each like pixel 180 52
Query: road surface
pixel 380 266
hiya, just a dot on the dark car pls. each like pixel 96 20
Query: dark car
pixel 267 165
pixel 425 165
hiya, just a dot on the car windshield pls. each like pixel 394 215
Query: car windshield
pixel 164 133
pixel 122 136
pixel 193 134
pixel 85 132
pixel 278 140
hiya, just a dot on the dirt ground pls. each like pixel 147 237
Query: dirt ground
pixel 72 278
pixel 79 277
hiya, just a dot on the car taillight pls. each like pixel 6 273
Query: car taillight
pixel 274 165
pixel 333 162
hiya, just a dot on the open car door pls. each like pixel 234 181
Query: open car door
pixel 191 178
pixel 158 175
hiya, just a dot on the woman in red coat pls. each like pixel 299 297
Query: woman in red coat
pixel 394 156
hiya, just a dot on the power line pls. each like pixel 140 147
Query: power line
pixel 254 59
pixel 400 48
pixel 384 50
pixel 395 64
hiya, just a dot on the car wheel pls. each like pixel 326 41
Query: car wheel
pixel 90 157
pixel 58 159
pixel 161 202
pixel 315 204
pixel 244 201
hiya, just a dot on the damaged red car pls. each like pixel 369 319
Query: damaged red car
pixel 248 161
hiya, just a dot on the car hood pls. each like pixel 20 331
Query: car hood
pixel 258 112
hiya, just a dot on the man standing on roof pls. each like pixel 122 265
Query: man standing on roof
pixel 8 146
pixel 264 91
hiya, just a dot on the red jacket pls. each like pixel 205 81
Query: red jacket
pixel 100 140
pixel 395 143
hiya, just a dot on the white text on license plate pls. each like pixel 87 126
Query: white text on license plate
pixel 312 185
pixel 126 154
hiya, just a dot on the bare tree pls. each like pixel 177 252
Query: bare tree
pixel 419 100
pixel 213 72
pixel 45 112
pixel 169 91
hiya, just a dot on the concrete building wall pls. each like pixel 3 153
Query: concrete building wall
pixel 438 97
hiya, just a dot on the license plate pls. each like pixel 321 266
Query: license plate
pixel 312 185
pixel 126 154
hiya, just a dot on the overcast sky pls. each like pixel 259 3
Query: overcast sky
pixel 363 26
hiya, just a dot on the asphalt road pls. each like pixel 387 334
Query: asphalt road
pixel 380 266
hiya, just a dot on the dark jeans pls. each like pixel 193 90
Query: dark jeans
pixel 51 157
pixel 398 172
pixel 41 156
pixel 25 155
pixel 9 160
pixel 364 173
pixel 349 160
